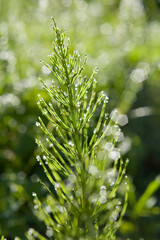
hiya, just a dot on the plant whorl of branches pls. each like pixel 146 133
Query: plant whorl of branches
pixel 79 156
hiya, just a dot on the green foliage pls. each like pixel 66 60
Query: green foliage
pixel 141 209
pixel 150 190
pixel 79 158
pixel 122 39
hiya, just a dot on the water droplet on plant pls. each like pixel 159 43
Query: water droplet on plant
pixel 114 155
pixel 70 143
pixel 93 170
pixel 35 206
pixel 119 136
pixel 94 131
pixel 95 70
pixel 114 115
pixel 56 185
pixel 49 232
pixel 111 172
pixel 108 146
pixel 108 130
pixel 112 183
pixel 118 208
pixel 78 104
pixel 44 112
pixel 30 231
pixel 122 120
pixel 34 194
pixel 113 216
pixel 103 199
pixel 38 158
pixel 37 124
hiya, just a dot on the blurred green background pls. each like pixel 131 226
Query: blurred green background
pixel 121 38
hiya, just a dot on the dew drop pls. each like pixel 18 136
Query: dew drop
pixel 44 111
pixel 93 170
pixel 122 120
pixel 94 131
pixel 108 146
pixel 119 136
pixel 37 124
pixel 95 70
pixel 114 155
pixel 103 199
pixel 70 143
pixel 112 183
pixel 35 206
pixel 56 185
pixel 30 231
pixel 38 158
pixel 49 232
pixel 114 115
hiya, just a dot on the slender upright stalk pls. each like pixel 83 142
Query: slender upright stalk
pixel 80 160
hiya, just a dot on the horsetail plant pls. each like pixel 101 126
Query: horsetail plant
pixel 79 154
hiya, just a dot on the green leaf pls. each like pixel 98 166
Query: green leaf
pixel 150 190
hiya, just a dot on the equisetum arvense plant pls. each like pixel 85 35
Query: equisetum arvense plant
pixel 79 154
